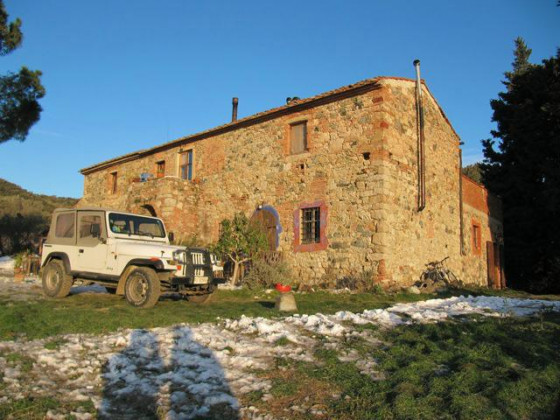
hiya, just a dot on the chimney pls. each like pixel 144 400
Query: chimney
pixel 234 102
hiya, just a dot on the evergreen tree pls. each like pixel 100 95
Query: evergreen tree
pixel 474 172
pixel 19 92
pixel 525 170
pixel 521 62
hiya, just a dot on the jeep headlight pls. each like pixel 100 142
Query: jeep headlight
pixel 180 256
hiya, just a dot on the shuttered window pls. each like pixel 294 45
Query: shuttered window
pixel 160 169
pixel 476 239
pixel 298 138
pixel 186 165
pixel 113 181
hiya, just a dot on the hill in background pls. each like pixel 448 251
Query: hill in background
pixel 25 216
pixel 14 200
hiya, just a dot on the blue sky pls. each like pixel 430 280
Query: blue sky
pixel 123 75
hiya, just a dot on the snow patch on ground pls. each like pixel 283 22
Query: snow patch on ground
pixel 189 371
pixel 6 263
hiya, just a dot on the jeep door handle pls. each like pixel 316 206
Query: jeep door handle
pixel 81 251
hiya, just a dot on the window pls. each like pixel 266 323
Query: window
pixel 129 224
pixel 186 165
pixel 476 238
pixel 113 182
pixel 160 169
pixel 65 226
pixel 298 137
pixel 86 221
pixel 311 225
pixel 85 225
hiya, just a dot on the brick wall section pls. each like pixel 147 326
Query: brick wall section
pixel 485 210
pixel 360 164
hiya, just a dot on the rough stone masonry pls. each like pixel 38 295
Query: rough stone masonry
pixel 333 180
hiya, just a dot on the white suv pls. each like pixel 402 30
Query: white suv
pixel 127 253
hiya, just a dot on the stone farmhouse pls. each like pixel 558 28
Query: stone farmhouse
pixel 361 179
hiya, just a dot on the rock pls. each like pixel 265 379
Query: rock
pixel 413 289
pixel 286 302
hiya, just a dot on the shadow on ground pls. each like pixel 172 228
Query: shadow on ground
pixel 144 381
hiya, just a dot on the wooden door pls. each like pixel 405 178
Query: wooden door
pixel 494 265
pixel 266 222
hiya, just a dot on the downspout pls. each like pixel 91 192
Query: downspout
pixel 420 148
pixel 461 222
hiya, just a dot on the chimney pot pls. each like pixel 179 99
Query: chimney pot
pixel 234 102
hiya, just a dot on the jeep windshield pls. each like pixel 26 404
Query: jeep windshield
pixel 128 224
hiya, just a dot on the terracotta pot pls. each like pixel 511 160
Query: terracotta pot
pixel 283 288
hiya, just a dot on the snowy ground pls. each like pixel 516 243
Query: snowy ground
pixel 6 266
pixel 188 371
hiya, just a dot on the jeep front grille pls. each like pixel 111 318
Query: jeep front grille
pixel 199 272
pixel 197 258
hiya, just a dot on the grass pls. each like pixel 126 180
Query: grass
pixel 484 369
pixel 469 368
pixel 25 363
pixel 103 313
pixel 55 343
pixel 36 408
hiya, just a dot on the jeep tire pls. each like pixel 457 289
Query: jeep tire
pixel 142 287
pixel 200 299
pixel 56 283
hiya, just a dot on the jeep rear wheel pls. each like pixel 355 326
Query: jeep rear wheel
pixel 56 283
pixel 142 287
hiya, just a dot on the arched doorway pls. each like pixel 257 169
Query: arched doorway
pixel 267 220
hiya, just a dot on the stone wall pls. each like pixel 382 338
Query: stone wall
pixel 251 166
pixel 360 168
pixel 414 237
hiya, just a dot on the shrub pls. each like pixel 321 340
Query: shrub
pixel 361 282
pixel 264 274
pixel 239 242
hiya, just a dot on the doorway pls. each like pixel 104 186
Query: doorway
pixel 266 219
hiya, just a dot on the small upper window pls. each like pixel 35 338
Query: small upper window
pixel 298 137
pixel 186 165
pixel 65 226
pixel 311 225
pixel 160 169
pixel 113 181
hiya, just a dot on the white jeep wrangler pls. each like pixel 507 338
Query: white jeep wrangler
pixel 127 253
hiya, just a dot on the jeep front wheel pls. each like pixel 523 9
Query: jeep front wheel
pixel 142 287
pixel 56 283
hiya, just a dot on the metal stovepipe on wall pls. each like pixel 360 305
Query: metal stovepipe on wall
pixel 420 147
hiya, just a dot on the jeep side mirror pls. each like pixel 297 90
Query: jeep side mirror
pixel 95 230
pixel 171 236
